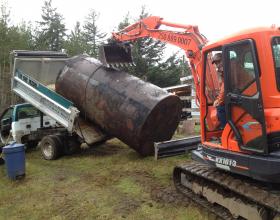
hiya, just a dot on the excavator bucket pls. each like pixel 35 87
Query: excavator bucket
pixel 115 55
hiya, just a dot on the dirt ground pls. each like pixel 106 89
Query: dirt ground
pixel 108 182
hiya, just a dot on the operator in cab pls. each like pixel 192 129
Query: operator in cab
pixel 219 102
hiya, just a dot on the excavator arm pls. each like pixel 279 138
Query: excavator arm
pixel 189 38
pixel 186 37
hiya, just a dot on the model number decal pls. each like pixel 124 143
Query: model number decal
pixel 226 161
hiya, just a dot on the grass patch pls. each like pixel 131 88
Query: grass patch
pixel 109 182
pixel 129 186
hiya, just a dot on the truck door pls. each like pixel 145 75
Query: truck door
pixel 243 97
pixel 27 118
pixel 5 124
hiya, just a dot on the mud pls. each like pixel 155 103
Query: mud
pixel 127 205
pixel 169 195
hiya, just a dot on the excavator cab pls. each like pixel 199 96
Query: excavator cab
pixel 115 54
pixel 242 100
pixel 249 142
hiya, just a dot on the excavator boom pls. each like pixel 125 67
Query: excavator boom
pixel 186 37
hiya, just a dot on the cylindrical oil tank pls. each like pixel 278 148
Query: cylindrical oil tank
pixel 136 112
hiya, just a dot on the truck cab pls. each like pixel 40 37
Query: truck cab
pixel 18 122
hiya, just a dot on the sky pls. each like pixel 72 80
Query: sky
pixel 215 18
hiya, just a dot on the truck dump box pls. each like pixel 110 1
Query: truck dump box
pixel 32 71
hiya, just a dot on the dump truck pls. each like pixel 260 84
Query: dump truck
pixel 74 100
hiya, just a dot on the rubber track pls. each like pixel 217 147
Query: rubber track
pixel 252 190
pixel 219 211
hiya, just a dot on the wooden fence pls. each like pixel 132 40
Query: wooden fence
pixel 186 93
pixel 190 112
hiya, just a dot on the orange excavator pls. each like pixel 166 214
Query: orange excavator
pixel 236 169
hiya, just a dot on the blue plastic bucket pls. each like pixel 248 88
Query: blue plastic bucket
pixel 14 155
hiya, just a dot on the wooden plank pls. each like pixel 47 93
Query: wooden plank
pixel 187 97
pixel 190 109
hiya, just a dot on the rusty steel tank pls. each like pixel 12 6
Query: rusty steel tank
pixel 123 106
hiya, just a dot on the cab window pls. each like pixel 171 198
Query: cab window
pixel 242 73
pixel 276 58
pixel 8 114
pixel 27 112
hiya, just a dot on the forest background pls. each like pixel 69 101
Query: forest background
pixel 152 62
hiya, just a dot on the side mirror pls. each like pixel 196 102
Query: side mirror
pixel 6 121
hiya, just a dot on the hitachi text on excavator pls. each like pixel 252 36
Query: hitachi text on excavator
pixel 232 166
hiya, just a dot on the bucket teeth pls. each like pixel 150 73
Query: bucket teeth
pixel 118 65
pixel 114 65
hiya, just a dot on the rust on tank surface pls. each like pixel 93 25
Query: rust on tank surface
pixel 136 112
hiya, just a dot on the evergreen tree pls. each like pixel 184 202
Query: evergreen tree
pixel 76 43
pixel 146 52
pixel 123 24
pixel 12 37
pixel 26 32
pixel 4 38
pixel 93 35
pixel 169 72
pixel 51 33
pixel 21 37
pixel 148 56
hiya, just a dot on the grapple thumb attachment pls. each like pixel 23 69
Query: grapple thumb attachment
pixel 115 55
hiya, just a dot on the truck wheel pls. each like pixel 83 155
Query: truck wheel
pixel 50 147
pixel 72 146
pixel 31 144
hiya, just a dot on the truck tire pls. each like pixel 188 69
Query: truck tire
pixel 51 147
pixel 31 144
pixel 72 146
